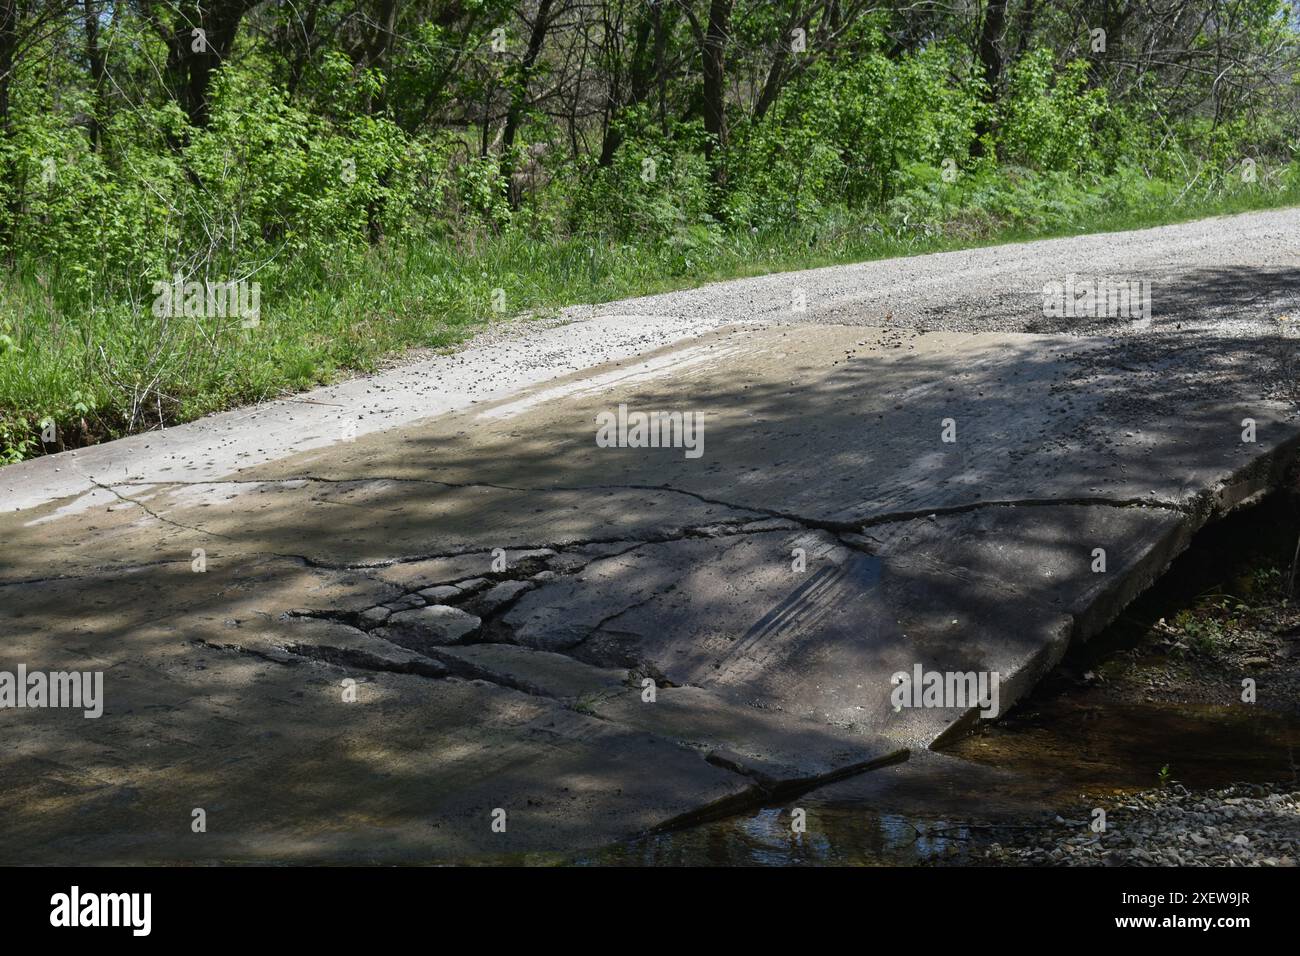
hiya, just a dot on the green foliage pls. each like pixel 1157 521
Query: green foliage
pixel 854 134
pixel 656 188
pixel 1266 581
pixel 1051 120
pixel 1203 634
pixel 359 178
pixel 478 188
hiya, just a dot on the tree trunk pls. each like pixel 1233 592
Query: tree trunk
pixel 639 82
pixel 661 65
pixel 1024 28
pixel 98 72
pixel 8 48
pixel 715 77
pixel 776 74
pixel 192 59
pixel 519 98
pixel 990 58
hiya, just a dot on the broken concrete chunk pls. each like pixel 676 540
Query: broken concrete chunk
pixel 375 615
pixel 714 530
pixel 406 603
pixel 434 625
pixel 573 559
pixel 441 593
pixel 413 575
pixel 861 542
pixel 502 594
pixel 360 649
pixel 568 562
pixel 534 672
pixel 514 558
pixel 291 641
pixel 771 524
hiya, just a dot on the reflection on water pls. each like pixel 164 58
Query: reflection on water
pixel 1111 746
pixel 763 838
pixel 1056 752
pixel 836 835
pixel 946 808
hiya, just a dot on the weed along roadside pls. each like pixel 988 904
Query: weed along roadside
pixel 356 218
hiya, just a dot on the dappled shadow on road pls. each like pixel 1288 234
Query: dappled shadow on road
pixel 839 429
pixel 1234 300
pixel 285 769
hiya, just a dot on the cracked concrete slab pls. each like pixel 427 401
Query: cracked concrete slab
pixel 797 413
pixel 227 582
pixel 410 773
pixel 783 753
pixel 729 613
pixel 335 643
pixel 533 672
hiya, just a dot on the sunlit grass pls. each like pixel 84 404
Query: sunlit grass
pixel 100 369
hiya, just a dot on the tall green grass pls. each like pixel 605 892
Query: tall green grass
pixel 101 369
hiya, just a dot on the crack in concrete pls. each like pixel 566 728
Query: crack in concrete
pixel 299 653
pixel 112 490
pixel 780 789
pixel 443 665
pixel 826 524
pixel 606 621
pixel 248 651
pixel 349 657
pixel 466 669
pixel 661 537
pixel 764 791
pixel 830 525
pixel 99 570
pixel 823 524
pixel 734 526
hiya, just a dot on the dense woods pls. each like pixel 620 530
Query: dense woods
pixel 380 168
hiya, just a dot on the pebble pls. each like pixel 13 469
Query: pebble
pixel 1241 825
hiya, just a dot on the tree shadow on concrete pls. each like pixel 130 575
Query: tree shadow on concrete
pixel 817 425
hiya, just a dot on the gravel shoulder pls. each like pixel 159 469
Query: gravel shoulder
pixel 1241 825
